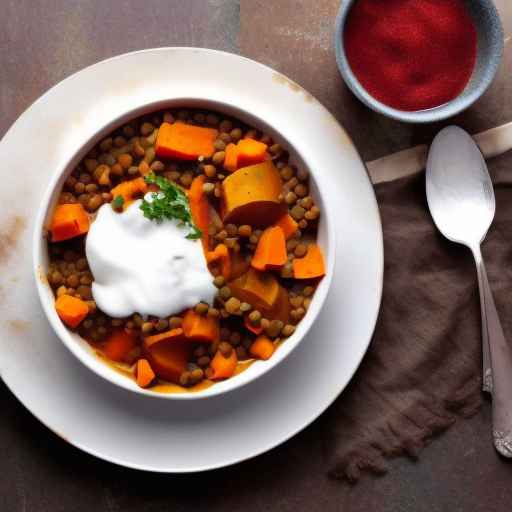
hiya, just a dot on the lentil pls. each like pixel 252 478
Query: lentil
pixel 288 330
pixel 147 327
pixel 236 134
pixel 245 230
pixel 218 157
pixel 301 190
pixel 255 317
pixel 219 145
pixel 175 322
pixel 210 171
pixel 208 188
pixel 274 328
pixel 146 129
pixel 157 166
pixel 275 149
pixel 290 198
pixel 162 324
pixel 201 308
pixel 245 306
pixel 232 305
pixel 297 212
pixel 219 282
pixel 213 312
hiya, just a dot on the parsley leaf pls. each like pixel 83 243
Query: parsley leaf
pixel 118 202
pixel 170 202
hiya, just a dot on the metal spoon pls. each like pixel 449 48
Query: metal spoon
pixel 460 196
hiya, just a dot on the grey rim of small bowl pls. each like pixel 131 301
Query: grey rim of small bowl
pixel 483 78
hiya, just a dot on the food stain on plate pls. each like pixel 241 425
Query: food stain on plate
pixel 9 237
pixel 18 326
pixel 295 87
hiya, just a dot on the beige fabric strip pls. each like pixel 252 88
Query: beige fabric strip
pixel 493 142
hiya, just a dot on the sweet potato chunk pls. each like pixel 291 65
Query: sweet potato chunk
pixel 184 141
pixel 168 359
pixel 71 310
pixel 130 190
pixel 262 348
pixel 223 367
pixel 259 289
pixel 172 335
pixel 288 225
pixel 310 266
pixel 119 345
pixel 69 220
pixel 251 195
pixel 200 208
pixel 270 253
pixel 200 328
pixel 251 152
pixel 144 374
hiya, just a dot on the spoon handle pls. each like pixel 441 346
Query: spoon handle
pixel 486 358
pixel 501 365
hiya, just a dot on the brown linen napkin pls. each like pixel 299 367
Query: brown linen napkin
pixel 423 369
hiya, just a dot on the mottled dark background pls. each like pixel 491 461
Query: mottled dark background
pixel 44 41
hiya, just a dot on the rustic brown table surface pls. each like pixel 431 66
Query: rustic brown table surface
pixel 44 41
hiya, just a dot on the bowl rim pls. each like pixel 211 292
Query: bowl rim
pixel 86 355
pixel 440 113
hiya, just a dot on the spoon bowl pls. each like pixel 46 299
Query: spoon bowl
pixel 459 189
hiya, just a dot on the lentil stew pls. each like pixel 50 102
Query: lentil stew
pixel 235 192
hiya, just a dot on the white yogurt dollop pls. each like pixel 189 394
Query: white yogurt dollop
pixel 143 267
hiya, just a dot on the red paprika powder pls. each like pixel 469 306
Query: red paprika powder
pixel 411 54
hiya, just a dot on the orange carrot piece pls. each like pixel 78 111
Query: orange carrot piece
pixel 310 266
pixel 223 367
pixel 68 221
pixel 201 328
pixel 270 252
pixel 130 190
pixel 144 373
pixel 221 253
pixel 250 152
pixel 231 159
pixel 200 208
pixel 169 360
pixel 119 344
pixel 172 335
pixel 71 310
pixel 288 225
pixel 256 329
pixel 262 348
pixel 185 141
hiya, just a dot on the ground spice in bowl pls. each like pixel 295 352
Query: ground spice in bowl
pixel 411 54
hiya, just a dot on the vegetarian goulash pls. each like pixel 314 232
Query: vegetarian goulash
pixel 183 247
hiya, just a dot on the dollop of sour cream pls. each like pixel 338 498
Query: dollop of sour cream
pixel 140 266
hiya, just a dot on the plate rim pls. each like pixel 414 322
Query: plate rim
pixel 376 219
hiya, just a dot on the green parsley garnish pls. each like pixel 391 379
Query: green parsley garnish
pixel 117 202
pixel 170 202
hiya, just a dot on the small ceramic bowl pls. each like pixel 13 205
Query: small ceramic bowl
pixel 489 54
pixel 82 350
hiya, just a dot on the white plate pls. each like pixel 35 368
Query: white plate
pixel 147 433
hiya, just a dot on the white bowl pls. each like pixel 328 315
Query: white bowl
pixel 80 348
